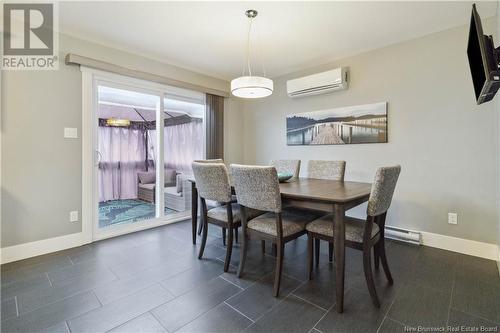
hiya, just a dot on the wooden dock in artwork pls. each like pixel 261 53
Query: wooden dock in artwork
pixel 327 135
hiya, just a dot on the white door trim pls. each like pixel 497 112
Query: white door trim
pixel 90 79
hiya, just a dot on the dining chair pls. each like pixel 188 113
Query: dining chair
pixel 212 182
pixel 363 234
pixel 287 166
pixel 257 188
pixel 233 199
pixel 333 170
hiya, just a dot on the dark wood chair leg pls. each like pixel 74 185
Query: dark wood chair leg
pixel 330 251
pixel 316 251
pixel 383 258
pixel 229 249
pixel 278 269
pixel 203 238
pixel 310 255
pixel 263 246
pixel 224 236
pixel 200 227
pixel 236 234
pixel 376 256
pixel 243 253
pixel 367 267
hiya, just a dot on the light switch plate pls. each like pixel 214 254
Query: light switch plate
pixel 452 218
pixel 71 133
pixel 73 216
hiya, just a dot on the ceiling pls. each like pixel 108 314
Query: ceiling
pixel 210 37
pixel 118 103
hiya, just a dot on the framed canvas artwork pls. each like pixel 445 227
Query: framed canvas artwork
pixel 346 125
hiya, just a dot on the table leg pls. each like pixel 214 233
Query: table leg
pixel 339 247
pixel 194 210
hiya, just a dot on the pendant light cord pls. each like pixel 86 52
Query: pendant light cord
pixel 248 48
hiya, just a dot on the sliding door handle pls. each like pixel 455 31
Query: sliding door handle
pixel 98 158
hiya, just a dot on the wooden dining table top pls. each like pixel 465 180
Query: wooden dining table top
pixel 323 190
pixel 331 191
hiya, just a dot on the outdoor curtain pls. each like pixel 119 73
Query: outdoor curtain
pixel 122 154
pixel 182 144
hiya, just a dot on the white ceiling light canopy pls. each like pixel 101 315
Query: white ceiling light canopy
pixel 249 86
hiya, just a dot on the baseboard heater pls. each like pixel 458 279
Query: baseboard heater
pixel 403 235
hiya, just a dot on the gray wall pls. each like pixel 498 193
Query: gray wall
pixel 41 170
pixel 446 144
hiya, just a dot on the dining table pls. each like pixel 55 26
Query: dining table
pixel 332 196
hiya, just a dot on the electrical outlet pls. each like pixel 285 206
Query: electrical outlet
pixel 452 218
pixel 73 216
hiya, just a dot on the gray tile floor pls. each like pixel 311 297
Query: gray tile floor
pixel 152 281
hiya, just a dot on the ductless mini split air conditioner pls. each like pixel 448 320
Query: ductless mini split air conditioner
pixel 320 83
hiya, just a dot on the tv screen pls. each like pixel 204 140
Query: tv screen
pixel 483 67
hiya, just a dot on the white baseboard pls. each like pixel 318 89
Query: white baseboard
pixel 460 245
pixel 33 249
pixel 37 248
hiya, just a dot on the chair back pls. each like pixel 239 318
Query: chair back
pixel 257 187
pixel 382 190
pixel 333 170
pixel 287 166
pixel 212 181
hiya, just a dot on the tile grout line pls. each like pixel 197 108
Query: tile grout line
pixel 234 284
pixel 388 310
pixel 451 295
pixel 323 316
pixel 48 278
pixel 305 300
pixel 281 301
pixel 71 261
pixel 17 306
pixel 241 313
pixel 67 326
pixel 157 319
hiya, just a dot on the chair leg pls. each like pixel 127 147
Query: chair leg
pixel 310 255
pixel 263 246
pixel 236 234
pixel 330 251
pixel 278 269
pixel 369 276
pixel 243 253
pixel 376 256
pixel 200 227
pixel 316 251
pixel 224 236
pixel 383 258
pixel 229 249
pixel 203 238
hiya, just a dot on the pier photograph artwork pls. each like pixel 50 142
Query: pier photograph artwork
pixel 345 125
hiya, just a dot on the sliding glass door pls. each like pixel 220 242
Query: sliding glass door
pixel 135 128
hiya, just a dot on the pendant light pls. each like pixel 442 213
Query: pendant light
pixel 249 86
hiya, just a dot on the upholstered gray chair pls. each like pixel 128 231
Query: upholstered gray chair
pixel 233 199
pixel 287 166
pixel 333 170
pixel 257 188
pixel 212 182
pixel 363 234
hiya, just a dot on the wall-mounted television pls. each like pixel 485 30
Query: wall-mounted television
pixel 483 60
